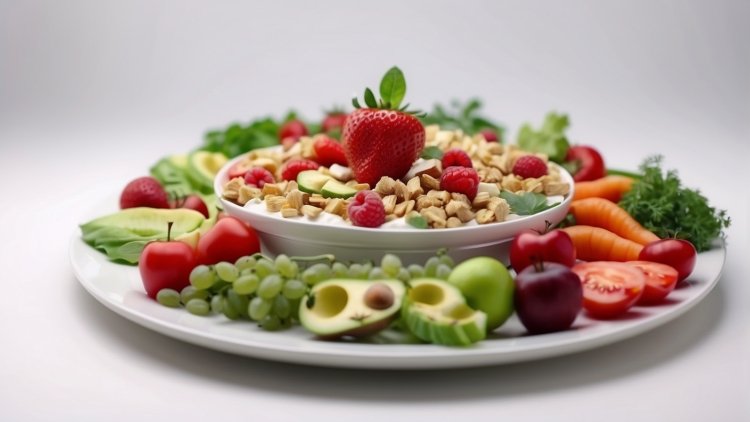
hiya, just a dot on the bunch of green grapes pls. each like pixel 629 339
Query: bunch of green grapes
pixel 269 291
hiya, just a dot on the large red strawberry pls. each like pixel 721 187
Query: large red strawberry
pixel 144 192
pixel 383 139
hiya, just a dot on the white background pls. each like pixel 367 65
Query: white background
pixel 93 92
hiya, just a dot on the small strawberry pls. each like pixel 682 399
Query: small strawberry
pixel 294 129
pixel 460 180
pixel 456 157
pixel 144 192
pixel 329 151
pixel 383 139
pixel 529 166
pixel 258 176
pixel 366 209
pixel 293 167
pixel 490 135
pixel 333 122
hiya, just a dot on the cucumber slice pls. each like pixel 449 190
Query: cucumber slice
pixel 312 181
pixel 436 312
pixel 335 189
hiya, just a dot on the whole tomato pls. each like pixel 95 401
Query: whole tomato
pixel 228 240
pixel 530 246
pixel 294 129
pixel 677 253
pixel 588 161
pixel 166 264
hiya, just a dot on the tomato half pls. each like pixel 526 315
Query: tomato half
pixel 677 253
pixel 609 288
pixel 660 281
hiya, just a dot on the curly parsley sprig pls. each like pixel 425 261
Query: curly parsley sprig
pixel 661 204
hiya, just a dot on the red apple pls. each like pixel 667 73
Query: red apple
pixel 530 246
pixel 548 297
pixel 166 264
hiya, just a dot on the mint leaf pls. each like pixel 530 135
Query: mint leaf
pixel 417 221
pixel 432 152
pixel 527 203
pixel 549 139
pixel 393 87
pixel 466 117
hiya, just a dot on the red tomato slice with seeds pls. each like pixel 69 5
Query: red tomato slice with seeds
pixel 609 288
pixel 660 281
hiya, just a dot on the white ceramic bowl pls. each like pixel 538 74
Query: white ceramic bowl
pixel 300 236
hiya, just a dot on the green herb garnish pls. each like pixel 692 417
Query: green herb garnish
pixel 661 204
pixel 432 152
pixel 238 138
pixel 462 116
pixel 527 203
pixel 550 139
pixel 417 221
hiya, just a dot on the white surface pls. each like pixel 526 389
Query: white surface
pixel 120 289
pixel 91 93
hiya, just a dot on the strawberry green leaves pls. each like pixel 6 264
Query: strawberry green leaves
pixel 393 87
pixel 392 92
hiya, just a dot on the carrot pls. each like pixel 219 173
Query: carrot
pixel 609 187
pixel 600 212
pixel 597 244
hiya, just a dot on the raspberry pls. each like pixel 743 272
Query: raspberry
pixel 530 166
pixel 258 176
pixel 490 135
pixel 144 192
pixel 293 167
pixel 367 210
pixel 460 180
pixel 328 152
pixel 456 157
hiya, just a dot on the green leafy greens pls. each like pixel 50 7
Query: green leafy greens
pixel 527 203
pixel 550 139
pixel 661 204
pixel 466 117
pixel 238 139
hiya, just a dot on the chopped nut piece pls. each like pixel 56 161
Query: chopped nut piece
pixel 410 204
pixel 485 216
pixel 429 183
pixel 433 167
pixel 414 187
pixel 556 188
pixel 430 132
pixel 341 173
pixel 491 188
pixel 435 216
pixel 389 203
pixel 385 186
pixel 390 217
pixel 461 198
pixel 247 193
pixel 402 193
pixel 272 189
pixel 444 136
pixel 533 185
pixel 453 222
pixel 289 212
pixel 297 199
pixel 481 200
pixel 311 211
pixel 267 163
pixel 494 148
pixel 290 186
pixel 512 183
pixel 274 203
pixel 317 200
pixel 465 215
pixel 502 209
pixel 423 201
pixel 454 206
pixel 232 188
pixel 335 206
pixel 308 149
pixel 361 186
pixel 443 195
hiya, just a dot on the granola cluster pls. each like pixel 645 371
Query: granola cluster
pixel 418 193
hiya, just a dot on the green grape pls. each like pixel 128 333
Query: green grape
pixel 430 267
pixel 216 303
pixel 202 277
pixel 226 271
pixel 294 305
pixel 391 264
pixel 270 286
pixel 377 273
pixel 447 260
pixel 259 308
pixel 264 268
pixel 168 297
pixel 403 275
pixel 317 273
pixel 271 323
pixel 443 271
pixel 237 302
pixel 228 309
pixel 416 271
pixel 286 267
pixel 281 307
pixel 198 307
pixel 190 292
pixel 245 263
pixel 340 270
pixel 294 289
pixel 246 284
pixel 360 271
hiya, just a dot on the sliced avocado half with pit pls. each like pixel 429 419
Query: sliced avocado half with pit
pixel 344 307
pixel 436 312
pixel 202 167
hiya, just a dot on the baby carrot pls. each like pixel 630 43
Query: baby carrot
pixel 597 244
pixel 600 212
pixel 609 187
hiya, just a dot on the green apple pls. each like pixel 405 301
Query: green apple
pixel 487 287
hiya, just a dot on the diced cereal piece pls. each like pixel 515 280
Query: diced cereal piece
pixel 390 217
pixel 389 203
pixel 429 183
pixel 311 211
pixel 435 216
pixel 453 222
pixel 297 199
pixel 335 206
pixel 272 189
pixel 341 173
pixel 512 183
pixel 433 167
pixel 465 215
pixel 485 216
pixel 274 203
pixel 385 186
pixel 430 132
pixel 454 206
pixel 247 193
pixel 267 163
pixel 460 197
pixel 443 136
pixel 402 193
pixel 290 186
pixel 481 200
pixel 556 188
pixel 501 210
pixel 317 200
pixel 491 188
pixel 361 186
pixel 232 188
pixel 289 212
pixel 533 185
pixel 423 201
pixel 414 187
pixel 308 150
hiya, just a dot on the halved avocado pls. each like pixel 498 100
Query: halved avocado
pixel 145 221
pixel 436 312
pixel 312 181
pixel 335 189
pixel 340 307
pixel 202 167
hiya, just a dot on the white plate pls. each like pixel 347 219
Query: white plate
pixel 119 288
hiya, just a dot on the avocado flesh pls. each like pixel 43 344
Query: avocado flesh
pixel 338 308
pixel 335 189
pixel 436 312
pixel 202 167
pixel 312 181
